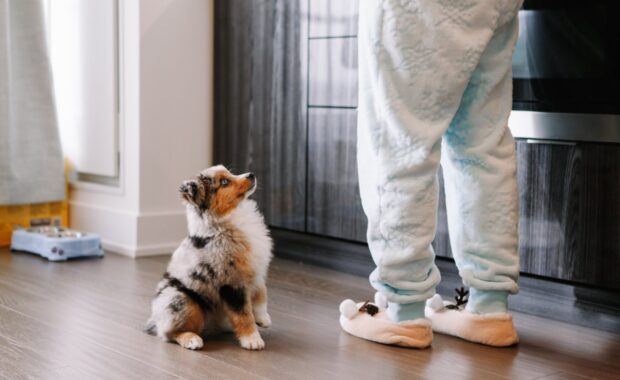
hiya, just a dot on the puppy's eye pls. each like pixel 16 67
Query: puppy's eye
pixel 224 182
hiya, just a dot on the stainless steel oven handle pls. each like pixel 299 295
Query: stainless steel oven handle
pixel 550 142
pixel 551 126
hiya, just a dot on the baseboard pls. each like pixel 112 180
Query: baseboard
pixel 139 251
pixel 160 233
pixel 131 234
pixel 573 303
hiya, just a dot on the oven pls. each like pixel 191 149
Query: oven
pixel 566 71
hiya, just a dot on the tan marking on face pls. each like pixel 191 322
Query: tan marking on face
pixel 226 198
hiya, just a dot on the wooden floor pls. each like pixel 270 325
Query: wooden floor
pixel 83 320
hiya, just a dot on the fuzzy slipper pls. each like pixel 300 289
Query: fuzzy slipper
pixel 369 321
pixel 491 329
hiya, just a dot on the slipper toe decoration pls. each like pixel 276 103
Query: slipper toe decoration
pixel 348 308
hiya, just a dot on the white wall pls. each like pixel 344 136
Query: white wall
pixel 165 128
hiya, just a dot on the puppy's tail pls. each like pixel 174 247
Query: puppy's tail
pixel 150 327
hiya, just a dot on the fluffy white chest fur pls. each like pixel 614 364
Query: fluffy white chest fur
pixel 250 224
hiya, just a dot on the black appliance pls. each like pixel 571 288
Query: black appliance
pixel 566 71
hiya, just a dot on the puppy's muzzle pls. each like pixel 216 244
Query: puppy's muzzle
pixel 252 178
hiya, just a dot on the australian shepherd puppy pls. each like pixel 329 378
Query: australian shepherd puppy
pixel 216 277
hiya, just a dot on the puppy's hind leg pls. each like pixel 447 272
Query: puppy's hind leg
pixel 190 324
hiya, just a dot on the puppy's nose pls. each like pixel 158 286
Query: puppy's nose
pixel 251 176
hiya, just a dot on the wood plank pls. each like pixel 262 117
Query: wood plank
pixel 573 303
pixel 97 307
pixel 105 313
pixel 19 362
pixel 44 349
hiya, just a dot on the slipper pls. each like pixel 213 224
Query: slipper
pixel 496 329
pixel 369 321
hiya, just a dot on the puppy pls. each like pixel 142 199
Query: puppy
pixel 216 278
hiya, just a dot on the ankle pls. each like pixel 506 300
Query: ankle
pixel 398 312
pixel 487 301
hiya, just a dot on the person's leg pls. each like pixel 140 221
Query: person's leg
pixel 481 193
pixel 415 60
pixel 480 180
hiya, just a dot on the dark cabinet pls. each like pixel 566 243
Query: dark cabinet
pixel 259 102
pixel 334 206
pixel 285 108
pixel 570 211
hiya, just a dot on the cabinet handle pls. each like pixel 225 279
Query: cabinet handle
pixel 551 142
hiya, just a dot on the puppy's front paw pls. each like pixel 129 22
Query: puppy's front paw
pixel 252 341
pixel 263 320
pixel 190 341
pixel 195 343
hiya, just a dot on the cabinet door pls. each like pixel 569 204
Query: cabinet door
pixel 333 18
pixel 259 102
pixel 334 206
pixel 332 75
pixel 570 213
pixel 333 201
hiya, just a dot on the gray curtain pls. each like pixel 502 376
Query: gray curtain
pixel 31 165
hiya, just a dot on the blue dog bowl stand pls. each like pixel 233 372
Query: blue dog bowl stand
pixel 56 243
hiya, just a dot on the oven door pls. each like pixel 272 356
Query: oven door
pixel 566 71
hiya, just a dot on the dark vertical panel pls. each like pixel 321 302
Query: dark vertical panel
pixel 441 244
pixel 601 216
pixel 334 206
pixel 259 101
pixel 570 213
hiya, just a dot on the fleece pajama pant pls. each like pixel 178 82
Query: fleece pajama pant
pixel 435 86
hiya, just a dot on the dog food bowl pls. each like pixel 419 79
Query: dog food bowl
pixel 56 243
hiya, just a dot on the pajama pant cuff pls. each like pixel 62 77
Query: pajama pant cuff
pixel 487 301
pixel 399 312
